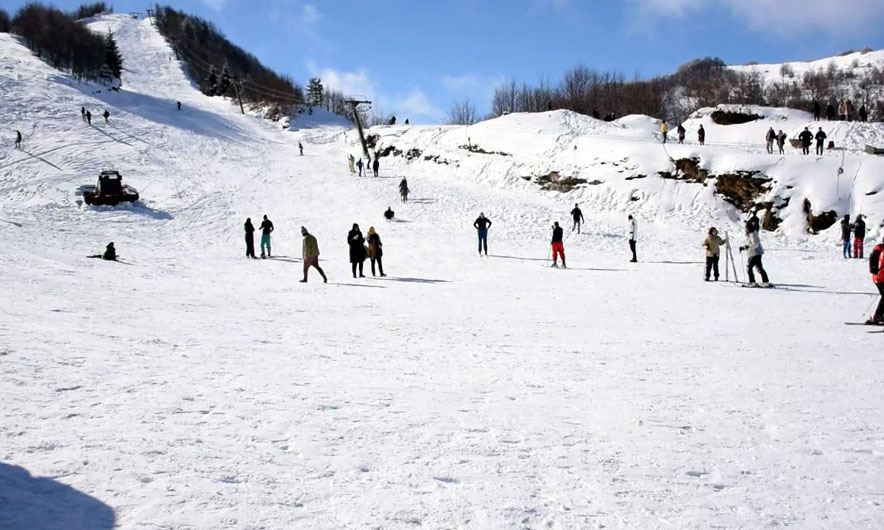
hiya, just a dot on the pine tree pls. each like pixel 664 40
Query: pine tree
pixel 113 59
pixel 314 92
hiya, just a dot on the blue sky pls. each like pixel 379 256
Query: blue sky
pixel 415 57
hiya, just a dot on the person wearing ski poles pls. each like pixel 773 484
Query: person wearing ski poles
pixel 754 251
pixel 876 267
pixel 558 248
pixel 482 224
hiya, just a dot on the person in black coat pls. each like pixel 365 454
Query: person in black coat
pixel 250 238
pixel 830 112
pixel 389 214
pixel 859 236
pixel 816 110
pixel 806 138
pixel 357 249
pixel 375 166
pixel 820 141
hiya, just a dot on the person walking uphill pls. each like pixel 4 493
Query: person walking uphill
pixel 664 130
pixel 846 229
pixel 357 249
pixel 403 189
pixel 250 238
pixel 106 116
pixel 482 224
pixel 712 244
pixel 558 247
pixel 859 236
pixel 17 139
pixel 755 251
pixel 310 253
pixel 375 251
pixel 876 267
pixel 577 215
pixel 820 141
pixel 266 230
pixel 806 138
pixel 633 232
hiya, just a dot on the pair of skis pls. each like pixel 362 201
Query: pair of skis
pixel 867 324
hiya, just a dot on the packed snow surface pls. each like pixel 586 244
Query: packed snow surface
pixel 189 388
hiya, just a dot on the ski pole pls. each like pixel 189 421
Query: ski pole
pixel 548 255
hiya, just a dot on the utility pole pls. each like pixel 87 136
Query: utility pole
pixel 238 97
pixel 354 104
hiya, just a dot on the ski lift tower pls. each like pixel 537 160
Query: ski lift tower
pixel 354 103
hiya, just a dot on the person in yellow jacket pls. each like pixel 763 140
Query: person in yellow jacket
pixel 310 253
pixel 712 244
pixel 664 130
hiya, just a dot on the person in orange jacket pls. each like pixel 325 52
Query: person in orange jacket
pixel 876 267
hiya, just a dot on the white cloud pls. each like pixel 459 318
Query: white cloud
pixel 309 15
pixel 416 105
pixel 358 83
pixel 783 17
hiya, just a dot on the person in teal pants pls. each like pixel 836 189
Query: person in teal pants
pixel 266 229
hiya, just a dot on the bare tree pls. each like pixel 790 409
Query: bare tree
pixel 462 112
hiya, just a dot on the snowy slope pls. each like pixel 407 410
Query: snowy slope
pixel 857 62
pixel 191 388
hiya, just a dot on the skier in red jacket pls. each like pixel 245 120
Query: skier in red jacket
pixel 876 267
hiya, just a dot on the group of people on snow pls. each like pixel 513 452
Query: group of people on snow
pixel 844 111
pixel 682 132
pixel 806 137
pixel 266 229
pixel 357 165
pixel 858 230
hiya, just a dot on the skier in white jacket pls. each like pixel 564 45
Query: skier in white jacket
pixel 633 231
pixel 755 251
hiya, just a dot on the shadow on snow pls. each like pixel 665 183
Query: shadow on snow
pixel 29 502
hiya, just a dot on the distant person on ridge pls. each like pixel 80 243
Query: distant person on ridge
pixel 482 224
pixel 664 130
pixel 681 132
pixel 375 251
pixel 106 116
pixel 577 215
pixel 388 215
pixel 769 139
pixel 712 244
pixel 558 247
pixel 266 230
pixel 310 253
pixel 17 139
pixel 357 249
pixel 781 141
pixel 301 148
pixel 701 135
pixel 816 110
pixel 846 229
pixel 83 113
pixel 876 267
pixel 250 238
pixel 375 166
pixel 820 141
pixel 633 233
pixel 179 105
pixel 859 236
pixel 403 189
pixel 806 138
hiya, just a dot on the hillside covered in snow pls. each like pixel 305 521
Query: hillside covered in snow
pixel 186 386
